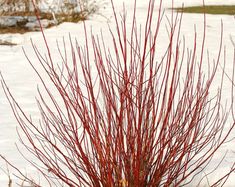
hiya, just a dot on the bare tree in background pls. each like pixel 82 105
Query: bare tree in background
pixel 64 6
pixel 27 5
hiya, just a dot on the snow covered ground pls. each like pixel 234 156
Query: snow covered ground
pixel 23 82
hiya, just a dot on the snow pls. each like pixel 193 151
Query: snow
pixel 23 82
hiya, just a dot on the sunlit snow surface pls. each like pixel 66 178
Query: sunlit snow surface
pixel 23 82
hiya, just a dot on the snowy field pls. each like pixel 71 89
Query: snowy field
pixel 23 82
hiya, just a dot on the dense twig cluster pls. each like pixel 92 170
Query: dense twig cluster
pixel 136 120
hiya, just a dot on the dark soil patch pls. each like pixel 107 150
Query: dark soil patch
pixel 209 9
pixel 13 30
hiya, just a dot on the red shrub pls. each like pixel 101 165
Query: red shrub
pixel 141 121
